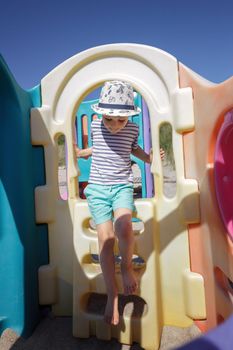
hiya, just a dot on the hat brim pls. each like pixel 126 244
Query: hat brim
pixel 115 112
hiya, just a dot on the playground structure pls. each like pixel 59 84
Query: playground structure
pixel 186 241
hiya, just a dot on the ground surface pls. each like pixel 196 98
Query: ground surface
pixel 56 334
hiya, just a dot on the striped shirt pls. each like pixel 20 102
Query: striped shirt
pixel 111 163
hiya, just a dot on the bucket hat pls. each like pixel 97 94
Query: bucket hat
pixel 116 99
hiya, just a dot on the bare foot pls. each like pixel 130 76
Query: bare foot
pixel 129 281
pixel 111 314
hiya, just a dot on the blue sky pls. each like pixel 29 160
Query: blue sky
pixel 36 36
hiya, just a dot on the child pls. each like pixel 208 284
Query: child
pixel 110 187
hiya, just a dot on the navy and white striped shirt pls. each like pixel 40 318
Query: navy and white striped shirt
pixel 111 162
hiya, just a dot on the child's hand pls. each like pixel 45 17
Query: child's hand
pixel 77 151
pixel 162 153
pixel 151 155
pixel 82 153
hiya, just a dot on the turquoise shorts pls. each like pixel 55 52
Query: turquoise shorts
pixel 104 199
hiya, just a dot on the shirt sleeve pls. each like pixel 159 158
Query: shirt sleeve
pixel 135 141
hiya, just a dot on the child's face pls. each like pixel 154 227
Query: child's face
pixel 114 124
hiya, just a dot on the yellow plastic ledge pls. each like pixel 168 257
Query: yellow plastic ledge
pixel 194 295
pixel 182 103
pixel 47 285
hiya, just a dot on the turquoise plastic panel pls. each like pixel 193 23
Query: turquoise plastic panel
pixel 84 164
pixel 23 244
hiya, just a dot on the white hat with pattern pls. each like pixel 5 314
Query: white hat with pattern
pixel 116 99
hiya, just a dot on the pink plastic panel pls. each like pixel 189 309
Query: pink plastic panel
pixel 224 172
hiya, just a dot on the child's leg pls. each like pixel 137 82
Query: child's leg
pixel 106 240
pixel 124 233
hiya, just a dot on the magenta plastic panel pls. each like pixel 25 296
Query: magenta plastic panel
pixel 224 172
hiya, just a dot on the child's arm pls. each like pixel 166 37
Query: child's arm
pixel 141 154
pixel 82 153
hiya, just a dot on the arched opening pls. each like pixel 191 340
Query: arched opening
pixel 143 179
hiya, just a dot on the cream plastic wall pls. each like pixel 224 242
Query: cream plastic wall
pixel 177 294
